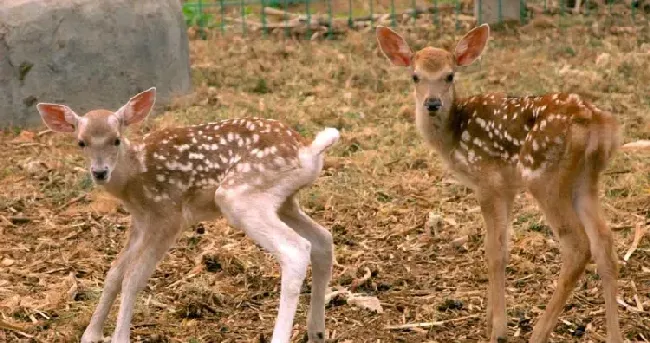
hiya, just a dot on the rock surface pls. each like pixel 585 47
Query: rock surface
pixel 88 54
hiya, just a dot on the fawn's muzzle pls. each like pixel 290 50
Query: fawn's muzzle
pixel 100 175
pixel 432 104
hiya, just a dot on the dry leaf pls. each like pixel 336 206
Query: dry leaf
pixel 330 295
pixel 32 166
pixel 366 302
pixel 434 223
pixel 74 287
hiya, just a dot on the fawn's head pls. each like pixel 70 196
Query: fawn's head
pixel 432 68
pixel 99 132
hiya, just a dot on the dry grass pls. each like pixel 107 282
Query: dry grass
pixel 57 237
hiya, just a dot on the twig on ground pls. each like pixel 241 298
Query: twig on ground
pixel 643 144
pixel 18 330
pixel 73 201
pixel 430 324
pixel 639 232
pixel 639 304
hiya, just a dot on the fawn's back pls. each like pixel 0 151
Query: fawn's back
pixel 531 133
pixel 178 161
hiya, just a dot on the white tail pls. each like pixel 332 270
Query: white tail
pixel 248 170
pixel 555 145
pixel 324 140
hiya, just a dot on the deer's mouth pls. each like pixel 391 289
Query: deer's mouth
pixel 101 179
pixel 433 105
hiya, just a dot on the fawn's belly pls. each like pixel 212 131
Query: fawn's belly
pixel 199 206
pixel 485 173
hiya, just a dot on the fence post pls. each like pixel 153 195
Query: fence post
pixel 457 12
pixel 264 27
pixel 496 11
pixel 372 21
pixel 349 13
pixel 223 17
pixel 200 7
pixel 286 19
pixel 329 10
pixel 415 10
pixel 308 19
pixel 501 11
pixel 243 16
pixel 561 13
pixel 392 13
pixel 436 15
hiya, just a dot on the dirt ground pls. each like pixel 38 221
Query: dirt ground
pixel 380 190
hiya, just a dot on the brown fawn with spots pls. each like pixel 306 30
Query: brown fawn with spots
pixel 248 170
pixel 555 146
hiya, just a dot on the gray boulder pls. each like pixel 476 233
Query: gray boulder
pixel 88 54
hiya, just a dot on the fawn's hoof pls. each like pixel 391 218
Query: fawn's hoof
pixel 96 338
pixel 313 337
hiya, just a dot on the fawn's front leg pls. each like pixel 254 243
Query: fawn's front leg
pixel 112 285
pixel 157 236
pixel 496 209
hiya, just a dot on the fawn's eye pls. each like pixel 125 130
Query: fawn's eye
pixel 416 78
pixel 81 144
pixel 450 78
pixel 117 142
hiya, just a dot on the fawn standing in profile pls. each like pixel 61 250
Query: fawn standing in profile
pixel 248 170
pixel 555 145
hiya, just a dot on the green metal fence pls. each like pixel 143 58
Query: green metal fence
pixel 303 16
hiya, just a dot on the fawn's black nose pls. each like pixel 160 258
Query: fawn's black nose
pixel 100 175
pixel 432 104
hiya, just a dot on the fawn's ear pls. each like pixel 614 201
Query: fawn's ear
pixel 59 118
pixel 394 47
pixel 470 47
pixel 137 108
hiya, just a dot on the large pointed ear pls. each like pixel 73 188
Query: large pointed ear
pixel 394 47
pixel 470 47
pixel 137 108
pixel 59 118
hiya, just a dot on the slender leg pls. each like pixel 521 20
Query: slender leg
pixel 603 250
pixel 112 286
pixel 321 259
pixel 574 248
pixel 495 209
pixel 257 215
pixel 156 240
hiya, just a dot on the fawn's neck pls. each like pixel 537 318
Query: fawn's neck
pixel 437 129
